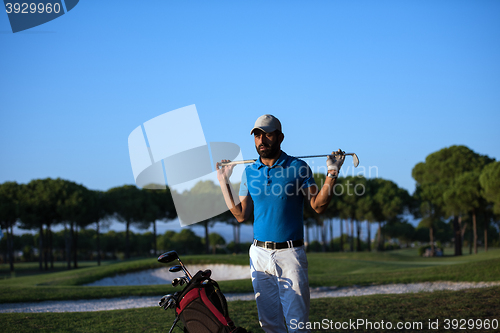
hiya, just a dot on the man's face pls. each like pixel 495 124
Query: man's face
pixel 268 145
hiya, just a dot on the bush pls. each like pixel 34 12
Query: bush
pixel 391 246
pixel 315 246
pixel 423 249
pixel 243 247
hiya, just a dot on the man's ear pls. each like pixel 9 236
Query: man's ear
pixel 281 137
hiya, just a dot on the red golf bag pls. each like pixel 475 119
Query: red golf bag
pixel 202 307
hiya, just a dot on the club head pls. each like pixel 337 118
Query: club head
pixel 183 281
pixel 167 257
pixel 163 301
pixel 355 160
pixel 175 269
pixel 206 273
pixel 170 303
pixel 176 282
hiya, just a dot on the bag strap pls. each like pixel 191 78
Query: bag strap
pixel 223 301
pixel 221 297
pixel 187 299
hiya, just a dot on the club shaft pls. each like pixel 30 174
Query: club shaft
pixel 185 270
pixel 301 157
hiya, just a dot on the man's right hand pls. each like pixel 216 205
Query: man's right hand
pixel 224 172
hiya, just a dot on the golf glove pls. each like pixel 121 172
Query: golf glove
pixel 334 162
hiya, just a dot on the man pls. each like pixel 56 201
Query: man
pixel 274 189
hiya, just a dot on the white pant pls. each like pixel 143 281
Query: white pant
pixel 281 286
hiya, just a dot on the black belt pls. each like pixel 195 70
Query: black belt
pixel 278 246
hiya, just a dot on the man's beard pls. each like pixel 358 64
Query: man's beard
pixel 270 153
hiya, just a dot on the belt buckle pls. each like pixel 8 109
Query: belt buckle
pixel 268 242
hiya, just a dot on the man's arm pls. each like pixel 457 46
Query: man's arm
pixel 242 210
pixel 320 199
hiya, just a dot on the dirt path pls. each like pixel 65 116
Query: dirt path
pixel 151 301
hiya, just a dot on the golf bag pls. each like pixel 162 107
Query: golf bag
pixel 202 307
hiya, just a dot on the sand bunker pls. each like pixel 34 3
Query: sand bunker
pixel 220 272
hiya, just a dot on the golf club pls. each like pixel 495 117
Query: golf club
pixel 355 159
pixel 179 281
pixel 165 300
pixel 176 282
pixel 170 256
pixel 171 303
pixel 175 269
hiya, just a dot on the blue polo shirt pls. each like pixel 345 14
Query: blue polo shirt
pixel 277 197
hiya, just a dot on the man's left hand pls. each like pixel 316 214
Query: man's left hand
pixel 335 161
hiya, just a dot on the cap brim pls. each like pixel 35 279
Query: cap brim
pixel 265 129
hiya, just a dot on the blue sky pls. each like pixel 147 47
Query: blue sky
pixel 392 81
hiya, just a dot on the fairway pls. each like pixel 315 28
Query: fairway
pixel 325 269
pixel 415 309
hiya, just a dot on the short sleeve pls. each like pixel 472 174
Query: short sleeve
pixel 307 176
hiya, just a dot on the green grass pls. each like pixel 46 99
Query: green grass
pixel 325 269
pixel 90 272
pixel 23 269
pixel 402 266
pixel 421 307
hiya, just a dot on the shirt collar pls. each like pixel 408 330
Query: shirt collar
pixel 279 162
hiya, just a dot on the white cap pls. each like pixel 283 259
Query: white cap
pixel 267 123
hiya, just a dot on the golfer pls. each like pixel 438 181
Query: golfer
pixel 274 189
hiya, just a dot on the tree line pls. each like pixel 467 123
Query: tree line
pixel 459 184
pixel 454 183
pixel 113 246
pixel 43 203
